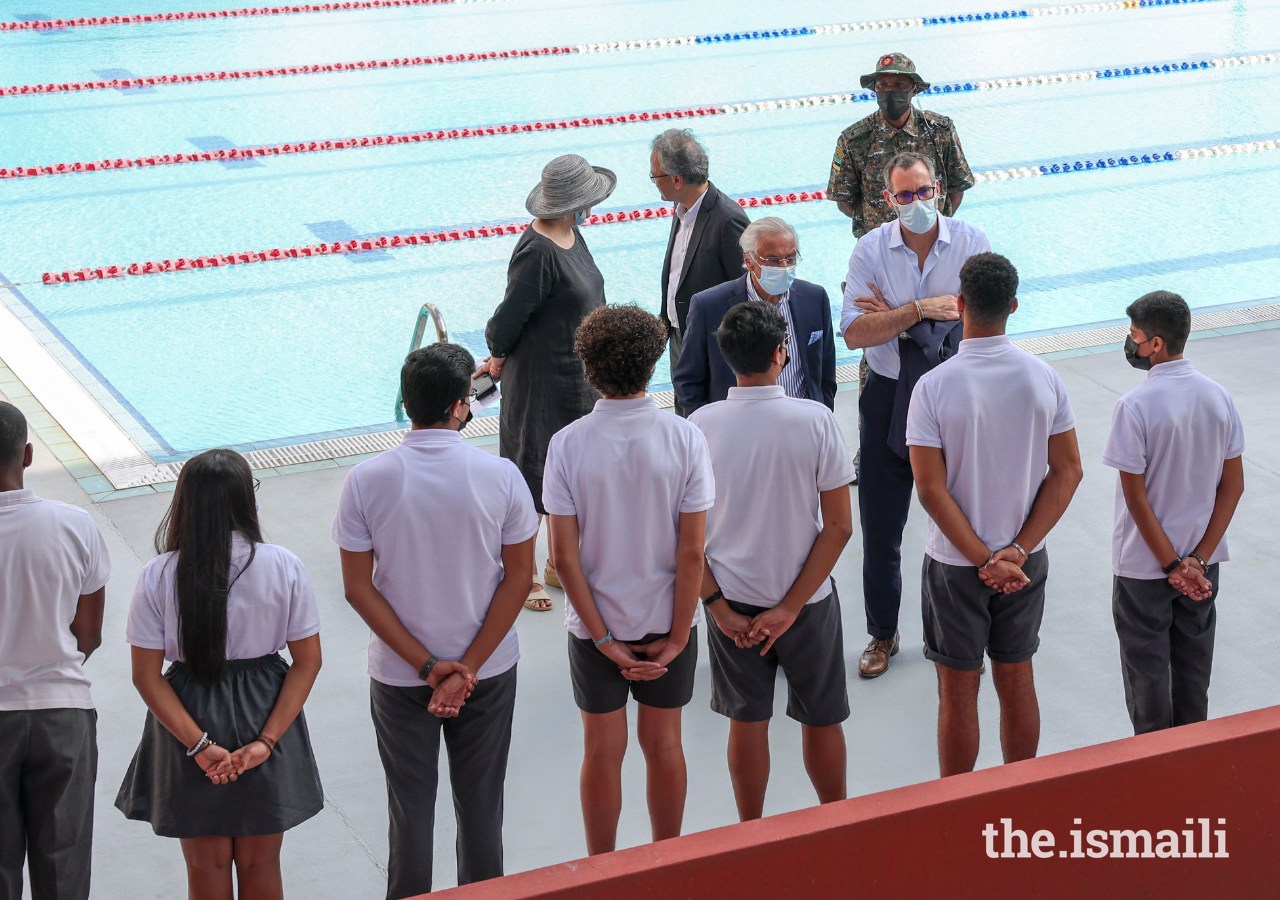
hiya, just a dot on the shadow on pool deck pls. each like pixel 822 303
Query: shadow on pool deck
pixel 890 733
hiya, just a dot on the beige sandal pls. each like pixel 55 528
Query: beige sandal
pixel 550 577
pixel 538 596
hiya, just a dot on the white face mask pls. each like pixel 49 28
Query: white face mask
pixel 776 280
pixel 918 216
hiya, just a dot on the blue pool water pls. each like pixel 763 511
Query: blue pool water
pixel 281 350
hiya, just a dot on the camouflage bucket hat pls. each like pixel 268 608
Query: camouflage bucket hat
pixel 894 64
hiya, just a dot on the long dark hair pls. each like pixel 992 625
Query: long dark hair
pixel 213 499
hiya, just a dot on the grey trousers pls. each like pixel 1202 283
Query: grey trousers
pixel 48 766
pixel 478 741
pixel 1166 651
pixel 675 345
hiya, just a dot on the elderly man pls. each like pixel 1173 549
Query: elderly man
pixel 900 309
pixel 865 147
pixel 702 250
pixel 770 253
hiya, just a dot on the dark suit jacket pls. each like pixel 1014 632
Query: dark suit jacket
pixel 702 376
pixel 714 256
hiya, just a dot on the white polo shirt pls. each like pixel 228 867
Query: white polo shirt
pixel 1176 428
pixel 881 258
pixel 271 602
pixel 772 456
pixel 50 555
pixel 436 513
pixel 991 408
pixel 627 471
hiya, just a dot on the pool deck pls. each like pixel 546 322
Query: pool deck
pixel 891 733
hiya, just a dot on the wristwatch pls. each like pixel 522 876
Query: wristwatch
pixel 1177 561
pixel 425 672
pixel 718 595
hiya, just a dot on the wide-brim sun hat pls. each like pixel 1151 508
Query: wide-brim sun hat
pixel 569 184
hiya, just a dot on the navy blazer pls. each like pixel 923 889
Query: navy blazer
pixel 702 376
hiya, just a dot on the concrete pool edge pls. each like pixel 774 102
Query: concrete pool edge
pixel 109 464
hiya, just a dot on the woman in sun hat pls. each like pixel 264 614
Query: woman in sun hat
pixel 552 285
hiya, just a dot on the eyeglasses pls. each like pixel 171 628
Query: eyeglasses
pixel 256 484
pixel 654 178
pixel 774 262
pixel 925 193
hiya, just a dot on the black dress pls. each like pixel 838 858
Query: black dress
pixel 550 291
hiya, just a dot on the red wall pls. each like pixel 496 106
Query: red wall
pixel 927 840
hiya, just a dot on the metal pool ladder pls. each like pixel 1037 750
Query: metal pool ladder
pixel 429 310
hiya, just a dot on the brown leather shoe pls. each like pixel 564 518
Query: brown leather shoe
pixel 874 661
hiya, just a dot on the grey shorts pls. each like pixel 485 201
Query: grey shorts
pixel 963 617
pixel 599 686
pixel 810 654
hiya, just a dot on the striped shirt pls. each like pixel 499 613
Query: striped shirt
pixel 792 377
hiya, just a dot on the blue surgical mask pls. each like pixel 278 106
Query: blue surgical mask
pixel 579 217
pixel 776 280
pixel 918 216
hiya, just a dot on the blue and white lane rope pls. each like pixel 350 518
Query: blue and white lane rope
pixel 1135 158
pixel 1016 81
pixel 1034 12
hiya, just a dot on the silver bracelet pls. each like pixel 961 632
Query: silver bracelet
pixel 200 744
pixel 1016 546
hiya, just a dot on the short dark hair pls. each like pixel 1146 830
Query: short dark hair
pixel 907 159
pixel 989 285
pixel 619 346
pixel 13 433
pixel 434 378
pixel 1162 314
pixel 748 335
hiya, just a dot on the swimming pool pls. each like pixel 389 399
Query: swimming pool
pixel 294 349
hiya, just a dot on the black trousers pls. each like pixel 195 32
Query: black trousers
pixel 1166 650
pixel 48 766
pixel 675 344
pixel 478 741
pixel 884 499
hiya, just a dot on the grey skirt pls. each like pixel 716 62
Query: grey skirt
pixel 166 788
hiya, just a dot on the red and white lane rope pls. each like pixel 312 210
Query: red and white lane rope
pixel 386 242
pixel 994 176
pixel 382 140
pixel 764 34
pixel 560 50
pixel 147 18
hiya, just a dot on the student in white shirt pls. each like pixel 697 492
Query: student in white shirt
pixel 627 488
pixel 781 519
pixel 225 761
pixel 983 429
pixel 1176 442
pixel 451 529
pixel 53 571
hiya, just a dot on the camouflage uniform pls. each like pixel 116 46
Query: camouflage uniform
pixel 865 148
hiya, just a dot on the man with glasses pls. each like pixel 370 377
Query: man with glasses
pixel 900 310
pixel 865 147
pixel 770 254
pixel 702 250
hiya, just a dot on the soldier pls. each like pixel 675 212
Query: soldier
pixel 865 147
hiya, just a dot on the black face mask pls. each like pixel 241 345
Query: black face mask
pixel 1131 353
pixel 894 104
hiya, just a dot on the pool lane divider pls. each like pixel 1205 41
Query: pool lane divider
pixel 563 50
pixel 186 264
pixel 286 10
pixel 384 140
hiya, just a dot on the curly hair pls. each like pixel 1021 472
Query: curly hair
pixel 619 346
